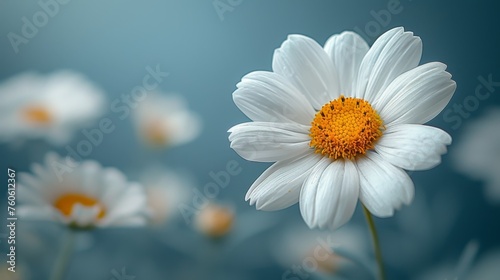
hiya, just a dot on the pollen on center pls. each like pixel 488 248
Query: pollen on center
pixel 345 128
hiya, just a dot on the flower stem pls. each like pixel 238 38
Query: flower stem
pixel 62 261
pixel 376 243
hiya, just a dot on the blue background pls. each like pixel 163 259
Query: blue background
pixel 112 42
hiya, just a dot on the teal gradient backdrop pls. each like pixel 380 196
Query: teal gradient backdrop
pixel 206 48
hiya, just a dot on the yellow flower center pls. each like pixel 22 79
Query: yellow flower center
pixel 155 133
pixel 37 115
pixel 345 128
pixel 66 202
pixel 215 221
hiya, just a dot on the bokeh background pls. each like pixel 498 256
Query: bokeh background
pixel 206 47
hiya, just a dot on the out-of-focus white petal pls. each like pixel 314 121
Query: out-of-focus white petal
pixel 163 120
pixel 87 196
pixel 51 107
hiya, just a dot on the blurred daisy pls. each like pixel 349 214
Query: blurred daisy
pixel 468 267
pixel 48 107
pixel 486 268
pixel 215 220
pixel 323 253
pixel 421 231
pixel 88 196
pixel 342 122
pixel 164 121
pixel 165 190
pixel 478 152
pixel 223 236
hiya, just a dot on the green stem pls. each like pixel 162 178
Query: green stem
pixel 376 243
pixel 62 261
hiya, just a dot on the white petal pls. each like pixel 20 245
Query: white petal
pixel 269 142
pixel 413 146
pixel 279 186
pixel 36 212
pixel 130 203
pixel 88 176
pixel 392 54
pixel 269 97
pixel 346 50
pixel 304 62
pixel 416 96
pixel 383 187
pixel 182 127
pixel 329 195
pixel 84 216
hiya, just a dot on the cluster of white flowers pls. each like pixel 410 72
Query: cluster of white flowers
pixel 341 123
pixel 53 108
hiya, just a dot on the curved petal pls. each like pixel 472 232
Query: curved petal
pixel 413 146
pixel 279 186
pixel 307 66
pixel 329 195
pixel 346 50
pixel 392 54
pixel 383 187
pixel 416 96
pixel 269 142
pixel 269 97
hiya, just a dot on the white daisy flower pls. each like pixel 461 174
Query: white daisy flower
pixel 48 107
pixel 477 154
pixel 165 190
pixel 88 196
pixel 342 122
pixel 323 253
pixel 164 120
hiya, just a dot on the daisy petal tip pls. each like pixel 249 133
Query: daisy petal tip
pixel 248 197
pixel 310 223
pixel 295 37
pixel 446 139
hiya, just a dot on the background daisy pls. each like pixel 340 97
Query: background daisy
pixel 51 107
pixel 165 190
pixel 164 121
pixel 87 196
pixel 477 153
pixel 207 47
